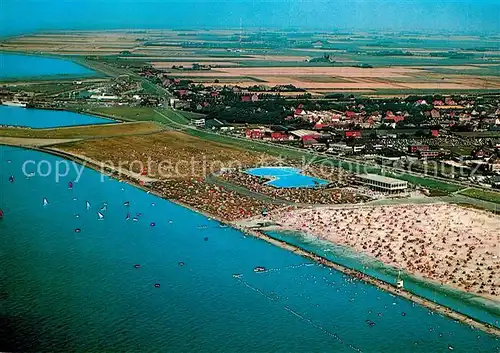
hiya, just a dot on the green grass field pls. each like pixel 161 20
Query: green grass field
pixel 485 195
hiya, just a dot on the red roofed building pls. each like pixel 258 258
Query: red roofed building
pixel 395 118
pixel 299 111
pixel 246 98
pixel 435 133
pixel 279 136
pixel 350 114
pixel 254 133
pixel 182 92
pixel 438 102
pixel 353 134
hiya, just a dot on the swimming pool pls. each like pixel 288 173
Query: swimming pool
pixel 286 177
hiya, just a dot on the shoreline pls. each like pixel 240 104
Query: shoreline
pixel 388 287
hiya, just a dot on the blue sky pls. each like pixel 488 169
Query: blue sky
pixel 17 16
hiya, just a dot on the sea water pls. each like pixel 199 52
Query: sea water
pixel 41 118
pixel 68 281
pixel 466 303
pixel 13 66
pixel 286 177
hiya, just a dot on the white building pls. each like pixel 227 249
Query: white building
pixel 382 183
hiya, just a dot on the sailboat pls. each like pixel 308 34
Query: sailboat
pixel 87 205
pixel 100 215
pixel 45 201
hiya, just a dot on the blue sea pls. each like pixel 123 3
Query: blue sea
pixel 41 118
pixel 68 280
pixel 13 66
pixel 286 177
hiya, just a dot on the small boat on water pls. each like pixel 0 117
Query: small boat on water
pixel 237 275
pixel 87 205
pixel 100 216
pixel 14 103
pixel 259 269
pixel 45 201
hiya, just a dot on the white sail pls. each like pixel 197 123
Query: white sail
pixel 87 204
pixel 100 215
pixel 45 201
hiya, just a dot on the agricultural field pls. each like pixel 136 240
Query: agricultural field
pixel 371 63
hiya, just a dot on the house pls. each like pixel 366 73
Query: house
pixel 353 134
pixel 435 133
pixel 254 133
pixel 246 98
pixel 182 92
pixel 417 148
pixel 198 122
pixel 310 141
pixel 279 136
pixel 429 154
pixel 435 114
pixel 299 111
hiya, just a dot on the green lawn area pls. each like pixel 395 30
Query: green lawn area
pixel 147 114
pixel 479 134
pixel 485 195
pixel 129 113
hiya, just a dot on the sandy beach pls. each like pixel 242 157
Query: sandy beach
pixel 452 245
